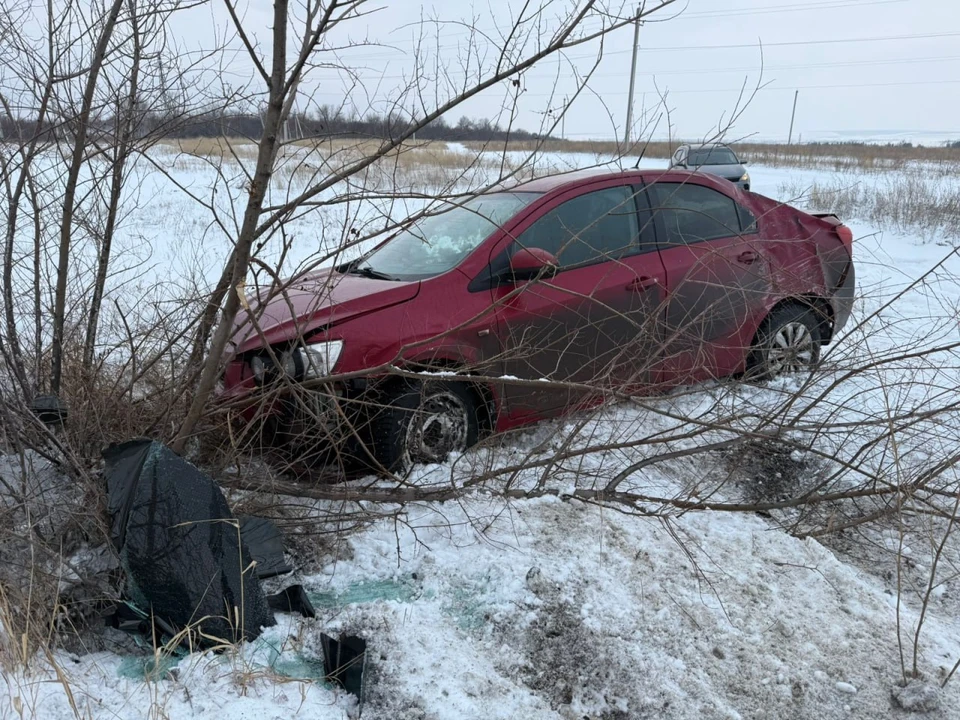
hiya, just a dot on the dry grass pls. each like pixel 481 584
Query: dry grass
pixel 427 167
pixel 46 596
pixel 414 164
pixel 364 145
pixel 594 147
pixel 899 201
pixel 214 147
pixel 852 156
pixel 836 156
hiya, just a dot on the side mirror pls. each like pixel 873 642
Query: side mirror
pixel 530 263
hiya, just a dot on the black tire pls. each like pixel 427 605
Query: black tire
pixel 407 408
pixel 788 341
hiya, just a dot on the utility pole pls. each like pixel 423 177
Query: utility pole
pixel 563 120
pixel 792 116
pixel 633 76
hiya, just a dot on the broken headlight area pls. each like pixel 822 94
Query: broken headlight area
pixel 319 409
pixel 303 362
pixel 321 422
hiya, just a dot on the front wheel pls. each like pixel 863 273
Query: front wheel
pixel 423 423
pixel 787 342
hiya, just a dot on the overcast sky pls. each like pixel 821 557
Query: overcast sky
pixel 862 67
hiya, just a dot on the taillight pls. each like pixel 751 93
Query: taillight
pixel 846 236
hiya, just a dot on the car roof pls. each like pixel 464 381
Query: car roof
pixel 560 181
pixel 553 182
pixel 707 146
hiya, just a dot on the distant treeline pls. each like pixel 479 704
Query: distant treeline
pixel 324 122
pixel 334 122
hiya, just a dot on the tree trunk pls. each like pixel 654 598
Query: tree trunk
pixel 125 127
pixel 70 192
pixel 248 230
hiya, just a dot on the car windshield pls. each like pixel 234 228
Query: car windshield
pixel 712 156
pixel 438 243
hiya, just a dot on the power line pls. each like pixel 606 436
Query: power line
pixel 789 88
pixel 808 66
pixel 748 89
pixel 790 43
pixel 392 55
pixel 741 68
pixel 817 5
pixel 777 9
pixel 826 5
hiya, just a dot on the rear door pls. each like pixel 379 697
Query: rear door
pixel 717 280
pixel 588 323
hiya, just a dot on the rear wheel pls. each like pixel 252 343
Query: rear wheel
pixel 423 423
pixel 787 342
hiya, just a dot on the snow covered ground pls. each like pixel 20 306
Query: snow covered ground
pixel 482 608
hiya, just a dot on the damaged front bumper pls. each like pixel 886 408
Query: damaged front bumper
pixel 314 420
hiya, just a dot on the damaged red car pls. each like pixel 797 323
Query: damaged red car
pixel 523 303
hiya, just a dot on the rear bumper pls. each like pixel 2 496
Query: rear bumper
pixel 843 298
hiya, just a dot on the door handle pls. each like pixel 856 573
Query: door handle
pixel 644 282
pixel 748 257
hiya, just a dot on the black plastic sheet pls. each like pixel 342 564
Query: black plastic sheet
pixel 265 544
pixel 181 547
pixel 343 661
pixel 292 599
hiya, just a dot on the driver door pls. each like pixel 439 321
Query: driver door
pixel 585 324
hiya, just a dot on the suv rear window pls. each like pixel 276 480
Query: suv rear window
pixel 712 156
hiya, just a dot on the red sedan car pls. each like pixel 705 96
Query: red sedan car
pixel 593 281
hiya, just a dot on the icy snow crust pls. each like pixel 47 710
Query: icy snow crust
pixel 550 608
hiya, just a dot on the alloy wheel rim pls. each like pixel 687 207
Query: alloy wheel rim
pixel 438 427
pixel 792 349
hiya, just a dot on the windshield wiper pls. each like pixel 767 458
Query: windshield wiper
pixel 369 272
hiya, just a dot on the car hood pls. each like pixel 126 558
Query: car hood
pixel 726 171
pixel 310 303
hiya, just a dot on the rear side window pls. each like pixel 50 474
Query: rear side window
pixel 694 213
pixel 748 221
pixel 597 226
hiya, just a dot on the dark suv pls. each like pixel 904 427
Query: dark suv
pixel 714 159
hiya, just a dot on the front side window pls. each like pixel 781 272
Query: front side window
pixel 597 226
pixel 438 243
pixel 694 213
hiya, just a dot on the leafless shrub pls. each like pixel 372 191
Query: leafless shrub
pixel 898 201
pixel 55 571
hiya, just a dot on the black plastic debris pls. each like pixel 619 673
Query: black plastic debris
pixel 343 662
pixel 292 600
pixel 180 546
pixel 130 619
pixel 50 410
pixel 265 543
